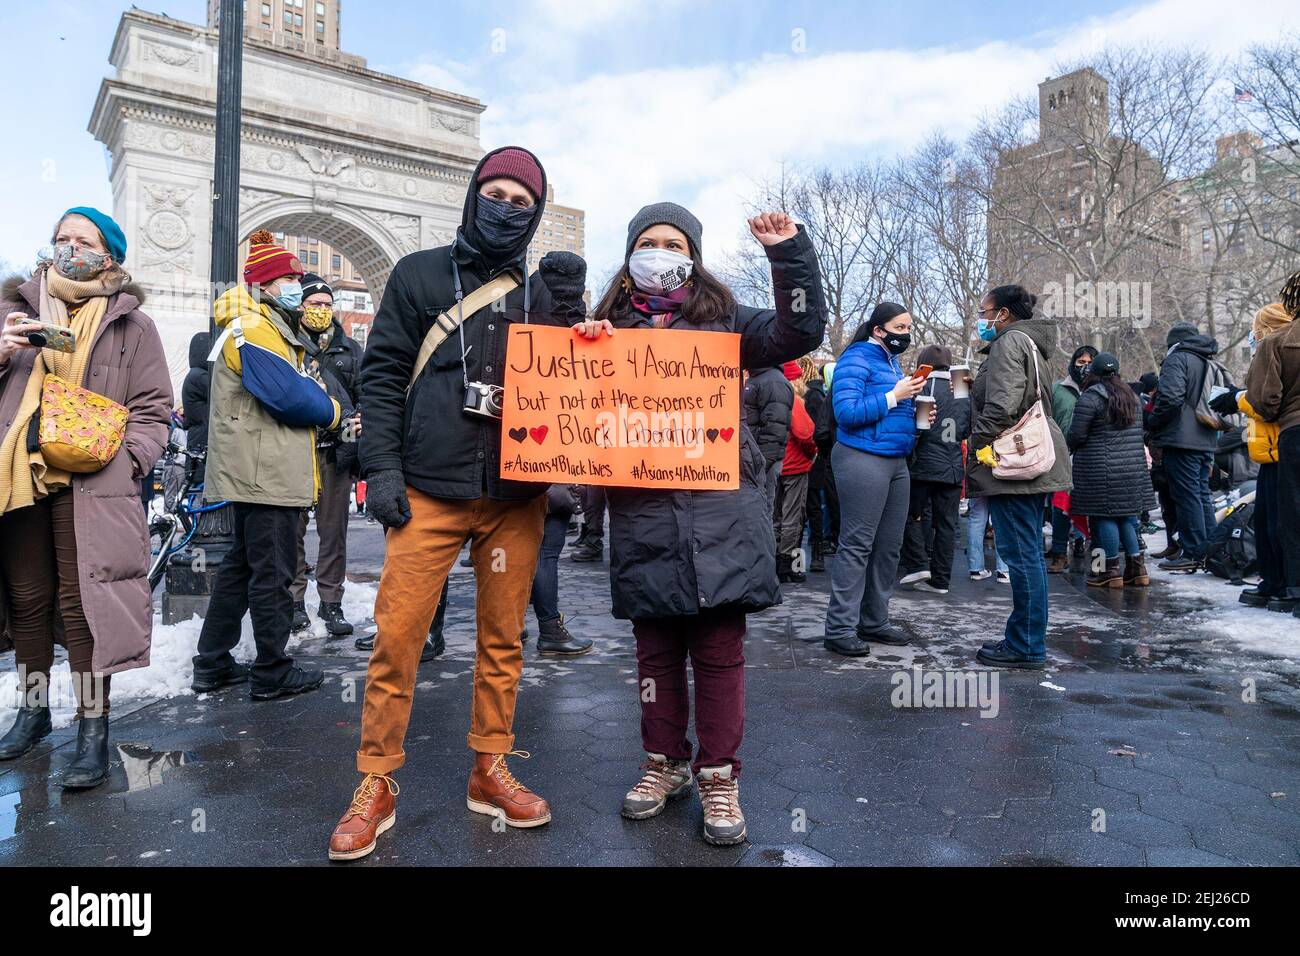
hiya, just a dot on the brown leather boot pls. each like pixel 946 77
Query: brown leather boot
pixel 373 811
pixel 1059 564
pixel 494 790
pixel 1135 572
pixel 1108 577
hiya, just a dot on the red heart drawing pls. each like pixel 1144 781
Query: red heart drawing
pixel 726 433
pixel 538 433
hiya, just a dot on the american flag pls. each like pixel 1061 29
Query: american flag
pixel 1240 95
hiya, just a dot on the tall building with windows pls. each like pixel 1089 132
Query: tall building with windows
pixel 563 229
pixel 308 26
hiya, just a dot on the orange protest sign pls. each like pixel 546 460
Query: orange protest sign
pixel 642 408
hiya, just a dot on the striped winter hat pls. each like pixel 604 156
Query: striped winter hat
pixel 268 260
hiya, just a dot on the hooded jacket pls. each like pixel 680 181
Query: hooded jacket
pixel 1110 474
pixel 1172 422
pixel 767 402
pixel 1002 393
pixel 194 392
pixel 128 365
pixel 263 411
pixel 442 450
pixel 937 456
pixel 675 553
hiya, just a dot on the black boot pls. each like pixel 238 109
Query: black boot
pixel 298 680
pixel 365 643
pixel 590 550
pixel 1254 597
pixel 332 614
pixel 783 568
pixel 434 645
pixel 32 724
pixel 301 622
pixel 818 562
pixel 89 768
pixel 554 638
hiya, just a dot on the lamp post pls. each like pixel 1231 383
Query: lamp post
pixel 191 571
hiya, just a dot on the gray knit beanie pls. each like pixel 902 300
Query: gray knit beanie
pixel 671 214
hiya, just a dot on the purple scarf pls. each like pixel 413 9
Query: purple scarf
pixel 660 308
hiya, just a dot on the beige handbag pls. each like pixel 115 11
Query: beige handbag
pixel 1026 450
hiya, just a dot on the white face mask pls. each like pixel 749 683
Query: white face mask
pixel 659 271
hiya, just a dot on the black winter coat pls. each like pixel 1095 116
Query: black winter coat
pixel 194 392
pixel 340 364
pixel 937 456
pixel 1172 421
pixel 1111 479
pixel 768 403
pixel 675 553
pixel 813 400
pixel 442 450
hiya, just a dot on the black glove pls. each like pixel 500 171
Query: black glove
pixel 346 458
pixel 1226 404
pixel 386 498
pixel 565 275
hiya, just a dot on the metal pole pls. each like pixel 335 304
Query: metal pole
pixel 225 172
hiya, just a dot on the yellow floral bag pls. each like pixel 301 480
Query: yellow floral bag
pixel 80 430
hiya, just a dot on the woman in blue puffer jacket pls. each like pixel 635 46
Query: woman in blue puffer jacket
pixel 872 400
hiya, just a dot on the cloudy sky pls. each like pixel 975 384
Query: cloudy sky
pixel 630 102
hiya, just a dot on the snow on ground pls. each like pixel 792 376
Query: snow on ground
pixel 171 665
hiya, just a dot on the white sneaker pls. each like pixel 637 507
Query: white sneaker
pixel 663 779
pixel 724 824
pixel 1004 577
pixel 914 577
pixel 981 575
pixel 928 588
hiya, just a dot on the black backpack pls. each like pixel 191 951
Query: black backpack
pixel 1230 551
pixel 825 429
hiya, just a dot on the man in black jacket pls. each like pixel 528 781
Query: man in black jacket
pixel 1187 446
pixel 432 460
pixel 768 402
pixel 329 354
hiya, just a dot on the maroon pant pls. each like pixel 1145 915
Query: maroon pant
pixel 715 643
pixel 39 565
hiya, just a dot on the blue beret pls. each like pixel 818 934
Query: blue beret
pixel 114 238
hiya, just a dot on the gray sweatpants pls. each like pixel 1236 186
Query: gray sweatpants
pixel 332 528
pixel 770 480
pixel 874 493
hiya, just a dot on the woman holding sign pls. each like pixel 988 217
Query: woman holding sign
pixel 686 567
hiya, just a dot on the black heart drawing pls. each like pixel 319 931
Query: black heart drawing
pixel 711 434
pixel 519 434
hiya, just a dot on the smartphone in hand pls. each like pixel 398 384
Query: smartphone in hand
pixel 922 373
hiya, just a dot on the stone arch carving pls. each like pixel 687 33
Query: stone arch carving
pixel 372 244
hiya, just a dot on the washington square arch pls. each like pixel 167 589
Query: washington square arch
pixel 375 165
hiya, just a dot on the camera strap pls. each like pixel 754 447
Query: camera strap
pixel 446 323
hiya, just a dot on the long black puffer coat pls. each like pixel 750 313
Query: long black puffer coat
pixel 675 553
pixel 767 406
pixel 1111 479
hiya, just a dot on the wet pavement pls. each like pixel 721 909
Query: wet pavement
pixel 1161 733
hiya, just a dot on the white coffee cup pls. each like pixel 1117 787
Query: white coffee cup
pixel 924 406
pixel 960 378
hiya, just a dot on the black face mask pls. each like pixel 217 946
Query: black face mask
pixel 500 225
pixel 1077 373
pixel 897 343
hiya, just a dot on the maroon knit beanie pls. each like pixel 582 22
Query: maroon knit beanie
pixel 516 164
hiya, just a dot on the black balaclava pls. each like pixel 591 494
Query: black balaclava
pixel 468 240
pixel 1076 371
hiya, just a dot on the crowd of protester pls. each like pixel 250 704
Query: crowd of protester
pixel 859 469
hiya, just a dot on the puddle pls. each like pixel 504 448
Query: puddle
pixel 9 804
pixel 147 768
